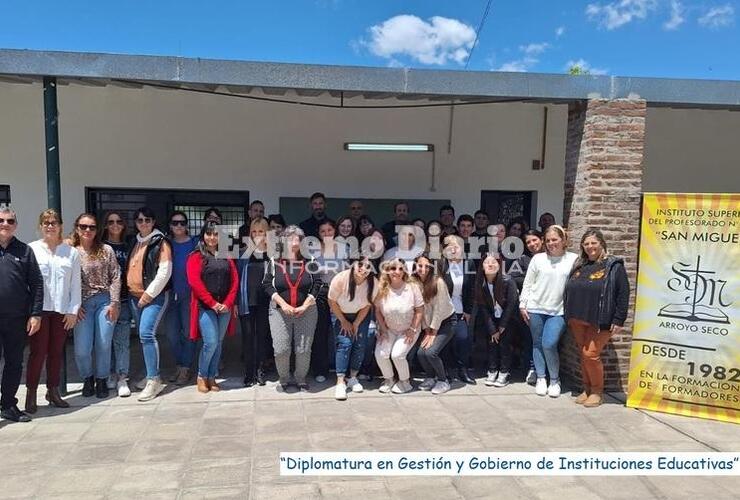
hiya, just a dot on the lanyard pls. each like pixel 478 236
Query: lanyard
pixel 293 286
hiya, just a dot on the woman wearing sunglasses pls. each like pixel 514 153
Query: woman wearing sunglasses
pixel 148 272
pixel 399 308
pixel 60 267
pixel 178 313
pixel 114 235
pixel 101 290
pixel 351 295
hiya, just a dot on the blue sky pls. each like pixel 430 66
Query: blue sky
pixel 658 38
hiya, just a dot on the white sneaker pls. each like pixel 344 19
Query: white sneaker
pixel 354 385
pixel 541 388
pixel 428 384
pixel 387 385
pixel 502 380
pixel 531 377
pixel 491 379
pixel 112 381
pixel 402 387
pixel 554 390
pixel 320 379
pixel 123 389
pixel 152 389
pixel 441 387
pixel 340 392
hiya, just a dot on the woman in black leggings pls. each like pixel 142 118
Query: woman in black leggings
pixel 438 324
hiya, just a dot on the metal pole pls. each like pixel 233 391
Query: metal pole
pixel 53 183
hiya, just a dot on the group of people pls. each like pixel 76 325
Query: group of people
pixel 365 300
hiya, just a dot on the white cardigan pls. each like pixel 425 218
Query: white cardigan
pixel 61 271
pixel 544 284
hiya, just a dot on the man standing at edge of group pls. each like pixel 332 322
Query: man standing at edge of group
pixel 21 303
pixel 400 218
pixel 311 225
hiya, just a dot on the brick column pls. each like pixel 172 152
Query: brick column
pixel 603 184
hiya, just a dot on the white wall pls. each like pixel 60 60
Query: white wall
pixel 116 137
pixel 692 151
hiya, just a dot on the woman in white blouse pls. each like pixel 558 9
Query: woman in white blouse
pixel 351 295
pixel 60 267
pixel 541 306
pixel 399 308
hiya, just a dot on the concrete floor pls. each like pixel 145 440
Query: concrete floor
pixel 226 445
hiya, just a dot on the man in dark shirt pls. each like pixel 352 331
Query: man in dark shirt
pixel 447 218
pixel 481 223
pixel 256 210
pixel 21 303
pixel 400 218
pixel 311 225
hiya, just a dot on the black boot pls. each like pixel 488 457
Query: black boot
pixel 465 377
pixel 101 388
pixel 248 381
pixel 88 388
pixel 261 377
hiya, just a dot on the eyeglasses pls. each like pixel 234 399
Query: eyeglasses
pixel 50 223
pixel 144 220
pixel 10 222
pixel 87 227
pixel 113 222
pixel 178 222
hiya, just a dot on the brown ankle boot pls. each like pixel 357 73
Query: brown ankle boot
pixel 31 406
pixel 213 385
pixel 202 385
pixel 55 399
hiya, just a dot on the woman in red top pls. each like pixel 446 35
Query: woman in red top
pixel 214 283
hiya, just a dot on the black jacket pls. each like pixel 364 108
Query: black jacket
pixel 468 282
pixel 151 259
pixel 21 283
pixel 615 295
pixel 509 303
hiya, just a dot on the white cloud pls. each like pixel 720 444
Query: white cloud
pixel 616 14
pixel 518 66
pixel 529 59
pixel 585 66
pixel 560 31
pixel 438 41
pixel 534 49
pixel 677 16
pixel 718 17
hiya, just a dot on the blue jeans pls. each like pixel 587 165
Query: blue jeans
pixel 148 319
pixel 462 343
pixel 178 330
pixel 350 352
pixel 546 331
pixel 94 334
pixel 213 328
pixel 122 341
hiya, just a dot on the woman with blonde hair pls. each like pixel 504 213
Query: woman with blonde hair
pixel 60 268
pixel 596 302
pixel 541 306
pixel 399 308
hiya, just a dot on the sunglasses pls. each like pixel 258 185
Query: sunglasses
pixel 144 220
pixel 10 222
pixel 113 222
pixel 50 223
pixel 178 222
pixel 365 265
pixel 395 268
pixel 87 227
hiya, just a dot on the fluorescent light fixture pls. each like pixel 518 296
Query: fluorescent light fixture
pixel 363 146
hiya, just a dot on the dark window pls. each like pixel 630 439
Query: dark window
pixel 232 204
pixel 503 206
pixel 4 194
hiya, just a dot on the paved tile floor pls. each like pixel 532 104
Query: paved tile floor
pixel 225 445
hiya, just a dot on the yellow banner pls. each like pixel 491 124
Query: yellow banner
pixel 686 336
